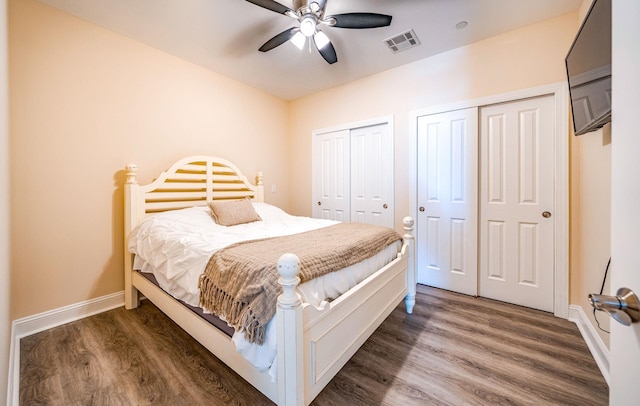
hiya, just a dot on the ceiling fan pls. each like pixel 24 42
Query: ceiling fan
pixel 310 15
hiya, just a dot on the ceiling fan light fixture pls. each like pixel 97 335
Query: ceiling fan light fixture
pixel 321 39
pixel 298 40
pixel 308 26
pixel 310 13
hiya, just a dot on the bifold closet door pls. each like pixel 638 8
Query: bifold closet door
pixel 448 200
pixel 517 202
pixel 353 175
pixel 332 176
pixel 372 198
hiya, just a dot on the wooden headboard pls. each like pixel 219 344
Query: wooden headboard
pixel 191 181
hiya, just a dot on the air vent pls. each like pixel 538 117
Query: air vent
pixel 402 41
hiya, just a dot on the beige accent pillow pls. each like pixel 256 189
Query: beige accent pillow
pixel 232 212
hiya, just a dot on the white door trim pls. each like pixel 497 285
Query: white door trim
pixel 356 124
pixel 559 91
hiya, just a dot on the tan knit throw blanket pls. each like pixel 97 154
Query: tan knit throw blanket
pixel 240 282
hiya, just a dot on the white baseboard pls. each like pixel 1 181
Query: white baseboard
pixel 34 324
pixel 597 347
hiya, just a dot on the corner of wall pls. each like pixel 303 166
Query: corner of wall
pixel 27 326
pixel 4 206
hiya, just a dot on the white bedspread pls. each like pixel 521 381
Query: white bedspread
pixel 176 245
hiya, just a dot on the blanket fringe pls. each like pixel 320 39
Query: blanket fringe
pixel 236 313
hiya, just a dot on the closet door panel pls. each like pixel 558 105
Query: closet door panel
pixel 517 202
pixel 372 175
pixel 447 200
pixel 331 174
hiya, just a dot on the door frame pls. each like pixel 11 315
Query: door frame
pixel 560 93
pixel 355 124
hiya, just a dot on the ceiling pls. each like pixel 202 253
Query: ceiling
pixel 224 35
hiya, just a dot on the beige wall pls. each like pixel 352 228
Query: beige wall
pixel 590 236
pixel 83 103
pixel 590 242
pixel 5 320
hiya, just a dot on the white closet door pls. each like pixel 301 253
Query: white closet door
pixel 448 200
pixel 517 202
pixel 372 175
pixel 331 176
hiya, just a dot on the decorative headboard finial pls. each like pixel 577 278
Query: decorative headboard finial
pixel 131 171
pixel 408 223
pixel 259 180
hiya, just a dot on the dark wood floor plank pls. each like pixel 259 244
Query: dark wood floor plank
pixel 40 381
pixel 453 350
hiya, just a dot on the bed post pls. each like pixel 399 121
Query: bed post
pixel 289 324
pixel 131 299
pixel 410 299
pixel 259 187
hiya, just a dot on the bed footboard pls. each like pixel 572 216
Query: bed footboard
pixel 315 343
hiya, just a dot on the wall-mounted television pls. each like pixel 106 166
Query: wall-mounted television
pixel 589 70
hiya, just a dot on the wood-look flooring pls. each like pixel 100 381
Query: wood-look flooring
pixel 453 350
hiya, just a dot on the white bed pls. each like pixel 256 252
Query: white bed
pixel 313 338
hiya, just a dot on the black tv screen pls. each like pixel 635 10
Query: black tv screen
pixel 589 70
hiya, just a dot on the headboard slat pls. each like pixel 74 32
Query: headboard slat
pixel 154 207
pixel 231 195
pixel 175 196
pixel 186 186
pixel 182 176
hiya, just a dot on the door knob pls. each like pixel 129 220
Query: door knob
pixel 421 208
pixel 384 206
pixel 319 204
pixel 546 214
pixel 624 307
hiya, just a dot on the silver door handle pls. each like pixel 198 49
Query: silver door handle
pixel 623 307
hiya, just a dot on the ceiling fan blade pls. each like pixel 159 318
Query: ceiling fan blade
pixel 271 5
pixel 327 51
pixel 278 40
pixel 360 20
